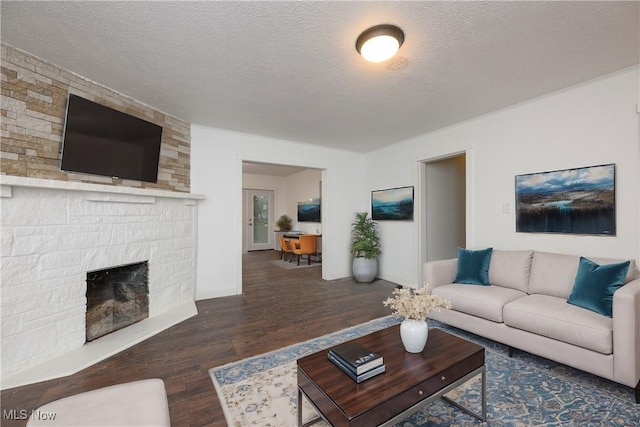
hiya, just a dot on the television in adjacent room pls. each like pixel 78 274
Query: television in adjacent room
pixel 309 211
pixel 99 140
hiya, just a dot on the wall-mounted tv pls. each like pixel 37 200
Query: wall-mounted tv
pixel 309 211
pixel 102 141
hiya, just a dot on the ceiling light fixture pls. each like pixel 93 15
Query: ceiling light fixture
pixel 379 43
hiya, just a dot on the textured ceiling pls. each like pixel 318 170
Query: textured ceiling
pixel 290 69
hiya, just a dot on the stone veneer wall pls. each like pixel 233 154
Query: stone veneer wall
pixel 34 99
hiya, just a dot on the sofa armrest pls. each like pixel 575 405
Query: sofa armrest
pixel 626 334
pixel 438 273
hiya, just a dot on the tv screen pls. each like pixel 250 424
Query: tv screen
pixel 309 211
pixel 102 141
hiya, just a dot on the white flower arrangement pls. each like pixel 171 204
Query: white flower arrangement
pixel 415 304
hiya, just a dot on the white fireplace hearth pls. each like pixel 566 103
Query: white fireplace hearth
pixel 53 233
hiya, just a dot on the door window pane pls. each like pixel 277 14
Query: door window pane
pixel 260 219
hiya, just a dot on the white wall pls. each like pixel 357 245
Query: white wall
pixel 216 172
pixel 591 124
pixel 303 186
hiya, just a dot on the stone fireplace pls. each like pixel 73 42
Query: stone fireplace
pixel 57 226
pixel 55 232
pixel 116 298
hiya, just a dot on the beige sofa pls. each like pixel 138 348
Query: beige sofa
pixel 525 307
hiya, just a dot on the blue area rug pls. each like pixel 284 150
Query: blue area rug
pixel 524 390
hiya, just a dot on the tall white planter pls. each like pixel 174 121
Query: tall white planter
pixel 365 270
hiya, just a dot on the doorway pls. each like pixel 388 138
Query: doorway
pixel 259 224
pixel 289 185
pixel 445 207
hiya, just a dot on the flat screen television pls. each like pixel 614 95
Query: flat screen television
pixel 309 211
pixel 102 141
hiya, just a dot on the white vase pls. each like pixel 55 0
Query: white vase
pixel 414 334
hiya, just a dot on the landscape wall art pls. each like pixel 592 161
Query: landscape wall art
pixel 574 201
pixel 393 204
pixel 309 211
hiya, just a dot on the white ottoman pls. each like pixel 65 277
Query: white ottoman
pixel 138 403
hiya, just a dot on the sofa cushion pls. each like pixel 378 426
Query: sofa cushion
pixel 481 301
pixel 595 284
pixel 510 269
pixel 554 274
pixel 473 266
pixel 633 272
pixel 552 317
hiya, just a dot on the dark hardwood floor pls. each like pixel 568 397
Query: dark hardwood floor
pixel 279 307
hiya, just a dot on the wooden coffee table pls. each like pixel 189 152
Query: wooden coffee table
pixel 410 382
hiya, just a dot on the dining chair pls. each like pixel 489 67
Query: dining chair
pixel 307 246
pixel 286 247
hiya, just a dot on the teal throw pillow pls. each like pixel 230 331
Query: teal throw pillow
pixel 595 284
pixel 473 266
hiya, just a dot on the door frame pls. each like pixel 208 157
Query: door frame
pixel 422 208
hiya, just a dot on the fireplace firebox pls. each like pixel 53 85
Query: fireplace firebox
pixel 116 297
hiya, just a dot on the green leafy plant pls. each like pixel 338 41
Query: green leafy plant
pixel 284 223
pixel 365 239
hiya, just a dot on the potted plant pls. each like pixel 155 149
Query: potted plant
pixel 284 223
pixel 365 247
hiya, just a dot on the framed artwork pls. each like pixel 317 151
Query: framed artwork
pixel 393 204
pixel 573 201
pixel 309 211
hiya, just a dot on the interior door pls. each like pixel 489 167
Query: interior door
pixel 260 231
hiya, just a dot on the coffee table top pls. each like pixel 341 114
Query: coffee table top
pixel 409 377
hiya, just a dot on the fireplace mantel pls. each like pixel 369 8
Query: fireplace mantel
pixel 19 181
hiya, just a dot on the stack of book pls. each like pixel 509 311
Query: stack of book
pixel 356 361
